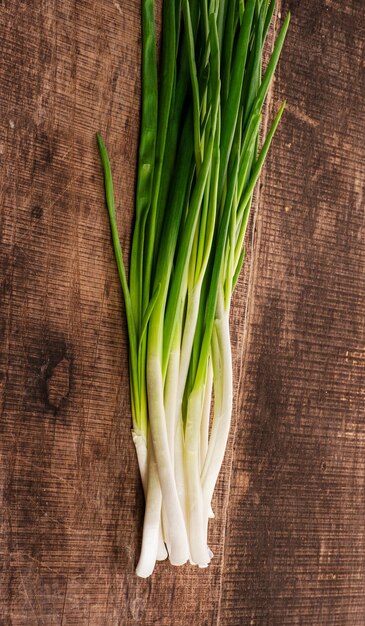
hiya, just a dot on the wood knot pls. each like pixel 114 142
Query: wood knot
pixel 58 383
pixel 37 212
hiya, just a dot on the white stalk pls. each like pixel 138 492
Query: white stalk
pixel 222 414
pixel 192 313
pixel 170 410
pixel 179 467
pixel 196 520
pixel 179 552
pixel 162 553
pixel 204 428
pixel 172 378
pixel 142 456
pixel 205 423
pixel 140 445
pixel 151 537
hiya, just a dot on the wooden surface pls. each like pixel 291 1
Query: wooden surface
pixel 289 537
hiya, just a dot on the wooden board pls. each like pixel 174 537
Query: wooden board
pixel 289 538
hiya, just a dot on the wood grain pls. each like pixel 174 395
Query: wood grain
pixel 289 538
pixel 295 541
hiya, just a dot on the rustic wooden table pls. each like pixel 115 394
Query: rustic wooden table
pixel 289 536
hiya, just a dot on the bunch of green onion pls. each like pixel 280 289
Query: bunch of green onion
pixel 199 161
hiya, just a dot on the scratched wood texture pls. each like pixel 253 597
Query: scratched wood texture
pixel 289 537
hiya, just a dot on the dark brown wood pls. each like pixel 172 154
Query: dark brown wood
pixel 295 540
pixel 289 537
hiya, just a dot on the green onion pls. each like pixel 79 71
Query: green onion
pixel 198 166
